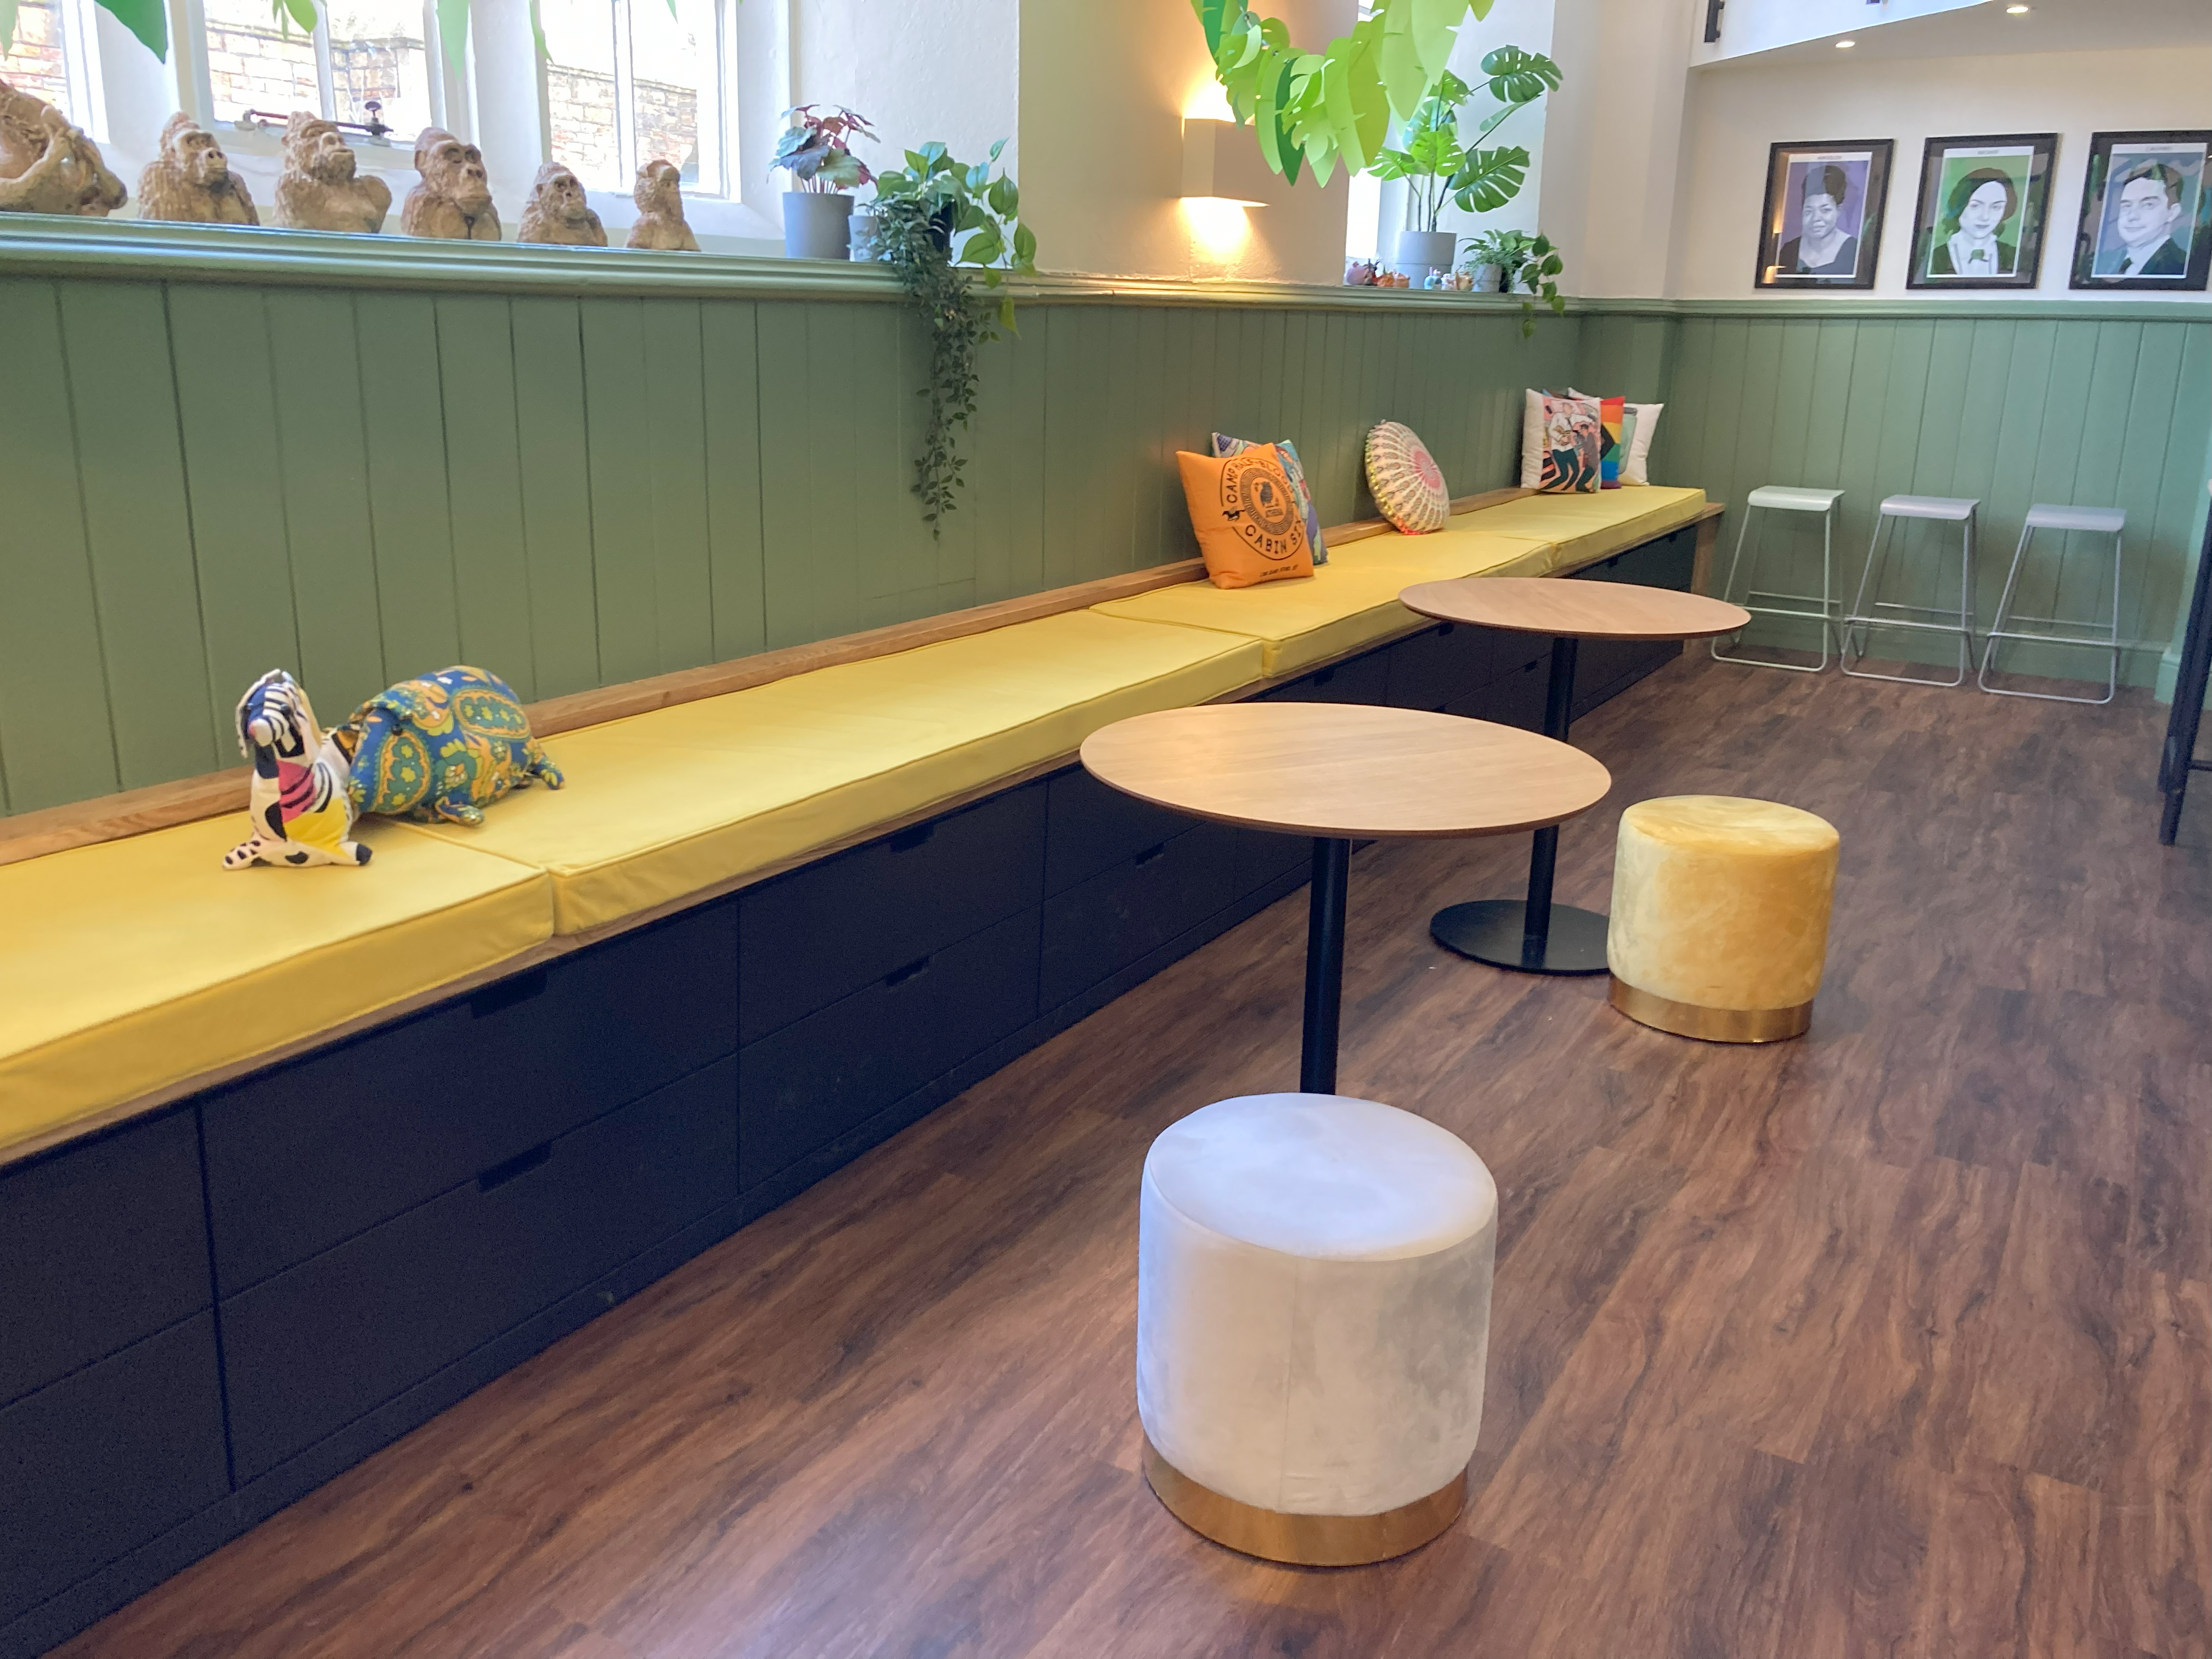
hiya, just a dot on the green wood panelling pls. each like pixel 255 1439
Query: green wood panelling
pixel 577 487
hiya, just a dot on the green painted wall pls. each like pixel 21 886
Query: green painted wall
pixel 361 466
pixel 202 481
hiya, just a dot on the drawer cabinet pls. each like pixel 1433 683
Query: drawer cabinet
pixel 805 1085
pixel 827 931
pixel 101 1243
pixel 1361 679
pixel 324 1342
pixel 1444 665
pixel 1090 827
pixel 107 1459
pixel 311 1153
pixel 1096 929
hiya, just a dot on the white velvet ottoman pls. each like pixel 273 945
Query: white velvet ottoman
pixel 1313 1317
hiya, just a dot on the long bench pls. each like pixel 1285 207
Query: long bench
pixel 299 1158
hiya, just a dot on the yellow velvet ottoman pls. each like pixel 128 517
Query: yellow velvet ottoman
pixel 1720 916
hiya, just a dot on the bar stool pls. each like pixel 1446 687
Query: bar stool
pixel 1950 509
pixel 2097 520
pixel 1788 498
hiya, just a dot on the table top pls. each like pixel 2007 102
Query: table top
pixel 1584 610
pixel 1345 770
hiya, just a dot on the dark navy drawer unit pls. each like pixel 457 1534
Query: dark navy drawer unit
pixel 208 1312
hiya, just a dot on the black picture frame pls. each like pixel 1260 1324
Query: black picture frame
pixel 1862 166
pixel 2101 251
pixel 1957 176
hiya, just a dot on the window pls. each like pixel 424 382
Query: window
pixel 634 80
pixel 51 58
pixel 361 52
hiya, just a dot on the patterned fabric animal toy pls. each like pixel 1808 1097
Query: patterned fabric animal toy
pixel 300 803
pixel 442 748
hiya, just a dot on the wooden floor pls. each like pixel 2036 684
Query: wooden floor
pixel 1892 1340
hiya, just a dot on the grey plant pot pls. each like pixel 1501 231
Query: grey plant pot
pixel 1488 278
pixel 818 225
pixel 864 235
pixel 1421 252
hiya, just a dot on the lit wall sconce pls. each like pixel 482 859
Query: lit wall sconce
pixel 1221 162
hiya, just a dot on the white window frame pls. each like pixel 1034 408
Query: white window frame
pixel 717 146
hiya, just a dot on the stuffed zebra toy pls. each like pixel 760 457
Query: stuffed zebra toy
pixel 300 807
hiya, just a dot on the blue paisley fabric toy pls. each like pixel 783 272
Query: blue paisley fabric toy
pixel 442 748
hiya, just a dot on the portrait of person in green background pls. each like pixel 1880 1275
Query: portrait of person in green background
pixel 1980 219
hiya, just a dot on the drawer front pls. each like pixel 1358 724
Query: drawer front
pixel 1517 696
pixel 1363 679
pixel 1443 665
pixel 1095 930
pixel 305 1156
pixel 835 928
pixel 813 1081
pixel 100 1244
pixel 108 1458
pixel 318 1345
pixel 1090 827
pixel 1665 562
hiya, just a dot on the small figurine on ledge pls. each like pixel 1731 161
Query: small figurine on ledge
pixel 453 202
pixel 661 222
pixel 317 190
pixel 557 213
pixel 190 181
pixel 48 166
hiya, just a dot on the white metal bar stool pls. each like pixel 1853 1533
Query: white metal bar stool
pixel 1787 498
pixel 2097 520
pixel 1863 617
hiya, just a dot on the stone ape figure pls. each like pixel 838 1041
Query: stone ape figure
pixel 317 190
pixel 48 166
pixel 661 222
pixel 557 212
pixel 453 202
pixel 191 182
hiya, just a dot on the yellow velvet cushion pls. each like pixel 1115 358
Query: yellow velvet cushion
pixel 1722 902
pixel 663 805
pixel 134 965
pixel 1352 601
pixel 1586 527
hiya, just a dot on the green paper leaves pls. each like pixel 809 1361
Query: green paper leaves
pixel 7 26
pixel 453 30
pixel 1491 178
pixel 149 20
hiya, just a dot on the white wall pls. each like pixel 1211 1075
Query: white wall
pixel 1105 88
pixel 1737 110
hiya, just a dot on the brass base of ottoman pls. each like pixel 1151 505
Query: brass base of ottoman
pixel 1709 1024
pixel 1304 1541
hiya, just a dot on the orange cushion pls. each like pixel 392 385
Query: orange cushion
pixel 1246 516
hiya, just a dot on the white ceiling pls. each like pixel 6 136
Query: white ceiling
pixel 1987 29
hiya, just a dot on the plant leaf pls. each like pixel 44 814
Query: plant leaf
pixel 149 20
pixel 7 26
pixel 453 30
pixel 1490 179
pixel 1518 77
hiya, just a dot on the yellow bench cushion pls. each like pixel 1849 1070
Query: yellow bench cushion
pixel 1351 601
pixel 1583 528
pixel 133 965
pixel 663 805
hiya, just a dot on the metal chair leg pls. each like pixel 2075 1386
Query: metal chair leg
pixel 1827 616
pixel 1999 630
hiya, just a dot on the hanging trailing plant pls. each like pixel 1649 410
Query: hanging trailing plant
pixel 936 221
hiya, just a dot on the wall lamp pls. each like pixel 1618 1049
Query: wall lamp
pixel 1221 162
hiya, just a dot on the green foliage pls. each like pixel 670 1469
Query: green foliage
pixel 1529 263
pixel 937 219
pixel 149 20
pixel 7 26
pixel 814 148
pixel 1429 152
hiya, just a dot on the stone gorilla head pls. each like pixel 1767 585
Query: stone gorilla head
pixel 198 157
pixel 659 189
pixel 559 194
pixel 452 170
pixel 321 148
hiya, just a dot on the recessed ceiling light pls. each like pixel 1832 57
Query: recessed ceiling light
pixel 1842 45
pixel 2016 11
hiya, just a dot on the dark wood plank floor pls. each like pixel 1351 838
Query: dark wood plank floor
pixel 1892 1340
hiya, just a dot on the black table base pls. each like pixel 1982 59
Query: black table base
pixel 1531 936
pixel 1497 930
pixel 1331 872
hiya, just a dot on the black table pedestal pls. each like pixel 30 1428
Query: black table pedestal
pixel 1331 870
pixel 1534 935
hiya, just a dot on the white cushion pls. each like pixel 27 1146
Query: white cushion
pixel 1637 469
pixel 1532 439
pixel 1313 1302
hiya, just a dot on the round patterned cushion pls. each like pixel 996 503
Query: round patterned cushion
pixel 1405 481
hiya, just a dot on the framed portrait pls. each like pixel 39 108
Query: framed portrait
pixel 2145 218
pixel 1980 219
pixel 1822 226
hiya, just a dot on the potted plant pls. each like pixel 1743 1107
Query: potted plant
pixel 1429 155
pixel 1520 261
pixel 935 220
pixel 815 150
pixel 1488 252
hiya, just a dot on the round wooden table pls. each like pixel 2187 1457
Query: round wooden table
pixel 1340 773
pixel 1533 935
